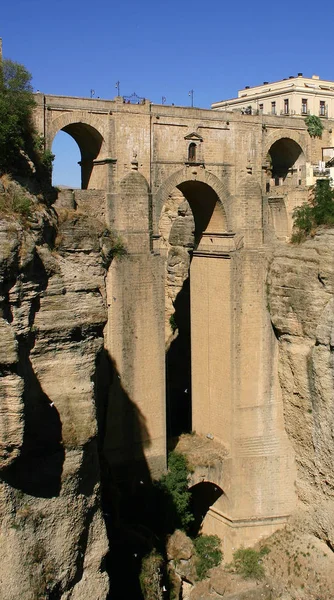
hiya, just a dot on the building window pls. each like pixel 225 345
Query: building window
pixel 322 111
pixel 286 106
pixel 304 106
pixel 192 152
pixel 260 109
pixel 273 108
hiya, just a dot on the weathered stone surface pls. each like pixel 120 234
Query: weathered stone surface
pixel 177 228
pixel 53 537
pixel 179 546
pixel 182 556
pixel 11 418
pixel 301 301
pixel 229 586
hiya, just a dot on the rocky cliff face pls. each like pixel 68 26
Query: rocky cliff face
pixel 301 303
pixel 53 310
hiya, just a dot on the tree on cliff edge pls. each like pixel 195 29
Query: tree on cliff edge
pixel 16 105
pixel 319 211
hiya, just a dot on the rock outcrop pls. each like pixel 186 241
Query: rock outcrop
pixel 177 228
pixel 301 304
pixel 53 539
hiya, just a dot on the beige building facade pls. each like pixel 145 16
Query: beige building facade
pixel 294 96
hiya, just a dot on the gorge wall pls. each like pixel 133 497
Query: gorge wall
pixel 56 391
pixel 53 540
pixel 301 303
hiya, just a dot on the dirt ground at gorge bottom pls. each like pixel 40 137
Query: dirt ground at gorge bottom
pixel 298 567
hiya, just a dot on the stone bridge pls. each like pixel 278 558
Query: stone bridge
pixel 198 196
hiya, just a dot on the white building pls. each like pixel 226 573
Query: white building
pixel 300 96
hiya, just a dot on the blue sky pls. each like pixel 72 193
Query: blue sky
pixel 161 49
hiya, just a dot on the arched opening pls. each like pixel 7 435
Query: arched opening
pixel 89 142
pixel 203 495
pixel 66 171
pixel 194 213
pixel 192 152
pixel 286 162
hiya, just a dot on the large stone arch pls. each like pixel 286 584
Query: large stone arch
pixel 190 175
pixel 88 133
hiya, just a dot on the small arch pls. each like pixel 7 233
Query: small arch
pixel 285 159
pixel 192 152
pixel 277 135
pixel 203 495
pixel 88 138
pixel 66 170
pixel 89 141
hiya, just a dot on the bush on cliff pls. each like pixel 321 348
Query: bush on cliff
pixel 22 150
pixel 208 553
pixel 176 497
pixel 16 105
pixel 320 211
pixel 248 562
pixel 151 575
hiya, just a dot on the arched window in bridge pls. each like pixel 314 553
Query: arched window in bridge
pixel 192 152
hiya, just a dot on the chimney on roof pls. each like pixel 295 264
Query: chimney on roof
pixel 315 77
pixel 246 87
pixel 265 82
pixel 291 76
pixel 300 74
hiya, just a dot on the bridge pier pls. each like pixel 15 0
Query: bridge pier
pixel 136 422
pixel 236 397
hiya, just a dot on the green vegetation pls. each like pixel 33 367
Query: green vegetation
pixel 248 562
pixel 16 105
pixel 175 487
pixel 208 553
pixel 151 576
pixel 13 200
pixel 172 323
pixel 314 126
pixel 22 150
pixel 117 245
pixel 320 211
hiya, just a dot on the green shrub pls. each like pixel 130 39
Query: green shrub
pixel 15 202
pixel 323 203
pixel 208 553
pixel 150 577
pixel 175 486
pixel 248 562
pixel 117 246
pixel 16 105
pixel 320 211
pixel 314 126
pixel 303 222
pixel 21 205
pixel 172 323
pixel 47 158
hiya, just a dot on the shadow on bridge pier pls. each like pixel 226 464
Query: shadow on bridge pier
pixel 137 516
